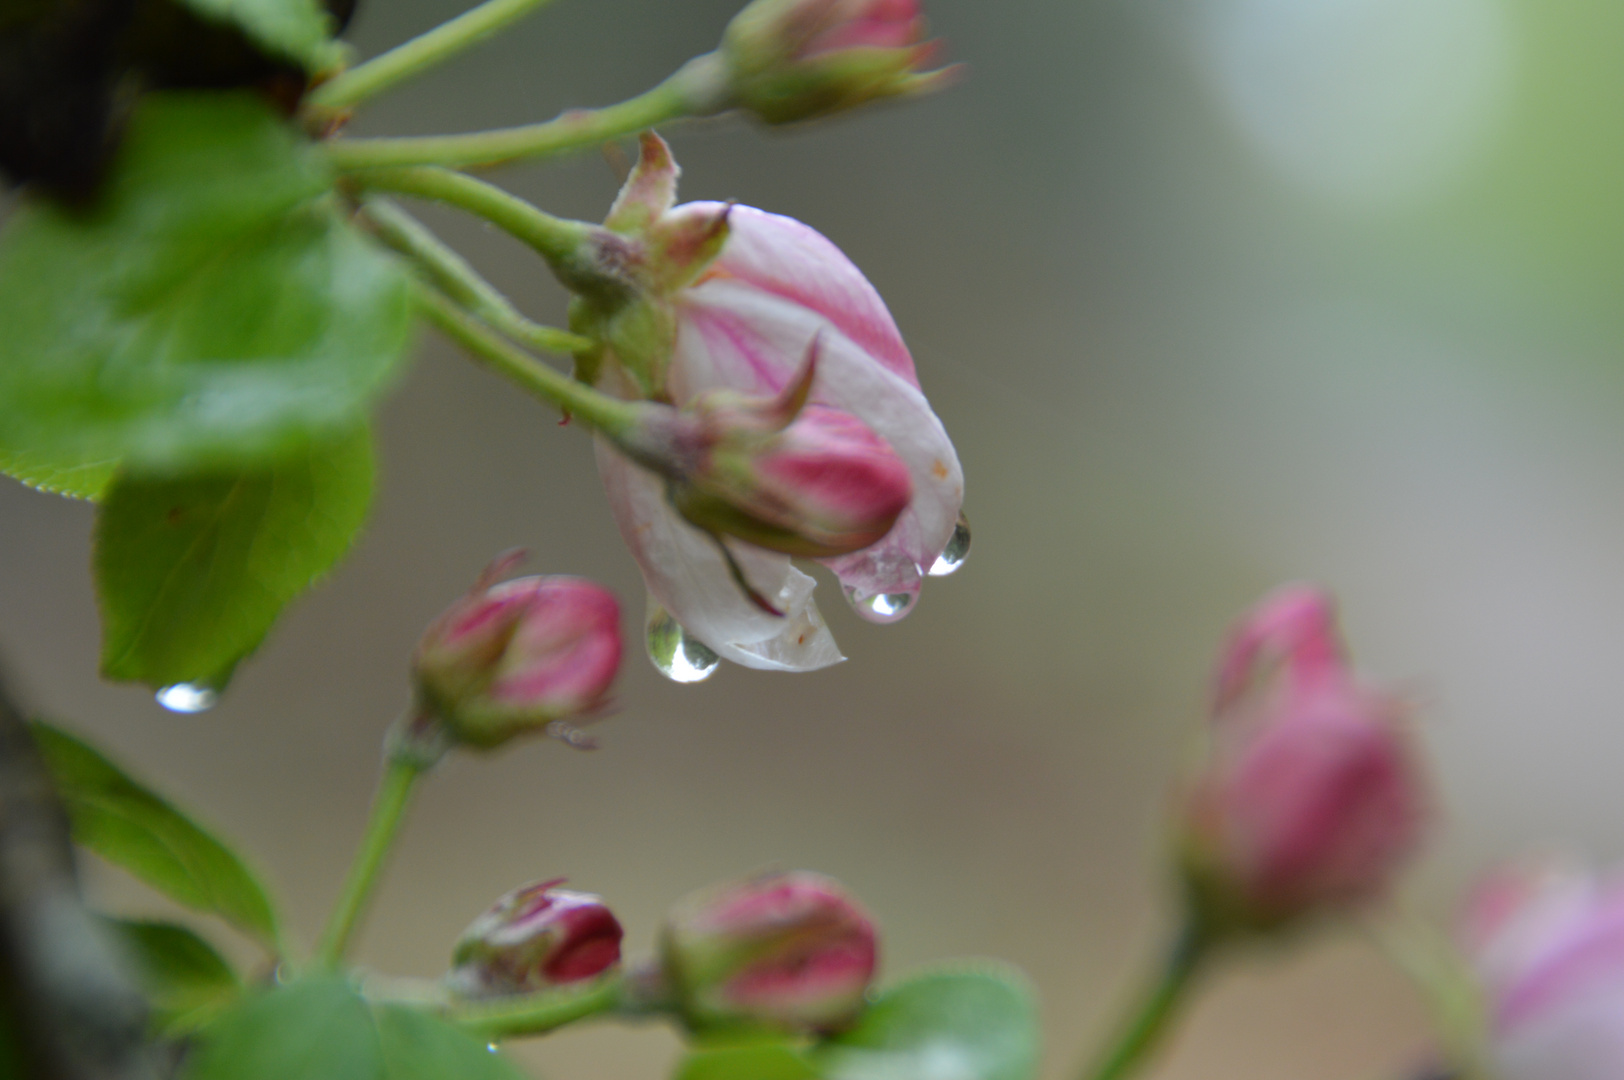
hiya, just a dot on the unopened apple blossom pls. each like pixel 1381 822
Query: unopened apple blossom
pixel 790 950
pixel 514 656
pixel 1312 797
pixel 536 937
pixel 790 60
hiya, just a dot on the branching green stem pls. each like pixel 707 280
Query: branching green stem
pixel 695 89
pixel 613 417
pixel 461 282
pixel 1151 1019
pixel 402 62
pixel 388 808
pixel 559 240
pixel 535 1014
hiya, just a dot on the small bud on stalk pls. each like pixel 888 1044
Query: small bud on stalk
pixel 535 938
pixel 1311 798
pixel 789 60
pixel 514 657
pixel 778 473
pixel 792 951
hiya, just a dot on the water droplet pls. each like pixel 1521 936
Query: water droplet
pixel 883 607
pixel 678 657
pixel 956 551
pixel 188 697
pixel 491 1047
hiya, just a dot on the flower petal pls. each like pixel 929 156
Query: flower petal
pixel 732 335
pixel 785 258
pixel 686 573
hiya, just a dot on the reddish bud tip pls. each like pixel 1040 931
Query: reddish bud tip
pixel 535 937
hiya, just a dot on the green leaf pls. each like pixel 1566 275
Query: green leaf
pixel 300 30
pixel 214 309
pixel 418 1046
pixel 75 479
pixel 968 1023
pixel 131 826
pixel 768 1060
pixel 192 572
pixel 186 981
pixel 318 1029
pixel 322 1029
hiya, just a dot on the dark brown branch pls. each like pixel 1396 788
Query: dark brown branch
pixel 70 1008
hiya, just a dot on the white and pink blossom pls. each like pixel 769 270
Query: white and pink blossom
pixel 742 321
pixel 1548 944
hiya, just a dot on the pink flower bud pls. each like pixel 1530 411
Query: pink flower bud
pixel 788 60
pixel 791 950
pixel 533 938
pixel 777 473
pixel 516 656
pixel 1548 944
pixel 1311 798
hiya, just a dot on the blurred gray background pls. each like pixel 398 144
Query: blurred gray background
pixel 1211 295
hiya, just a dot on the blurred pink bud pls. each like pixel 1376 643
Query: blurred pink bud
pixel 789 60
pixel 791 950
pixel 1548 943
pixel 1311 798
pixel 533 938
pixel 515 656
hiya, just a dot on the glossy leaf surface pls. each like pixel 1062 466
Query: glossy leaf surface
pixel 192 572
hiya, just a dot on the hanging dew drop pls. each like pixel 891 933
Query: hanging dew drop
pixel 956 551
pixel 491 1047
pixel 188 697
pixel 677 656
pixel 884 607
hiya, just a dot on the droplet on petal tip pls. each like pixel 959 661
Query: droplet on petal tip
pixel 881 607
pixel 675 654
pixel 956 551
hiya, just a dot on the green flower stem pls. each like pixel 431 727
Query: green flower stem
pixel 1149 1022
pixel 536 1014
pixel 388 807
pixel 613 417
pixel 1436 968
pixel 557 239
pixel 402 62
pixel 696 89
pixel 461 282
